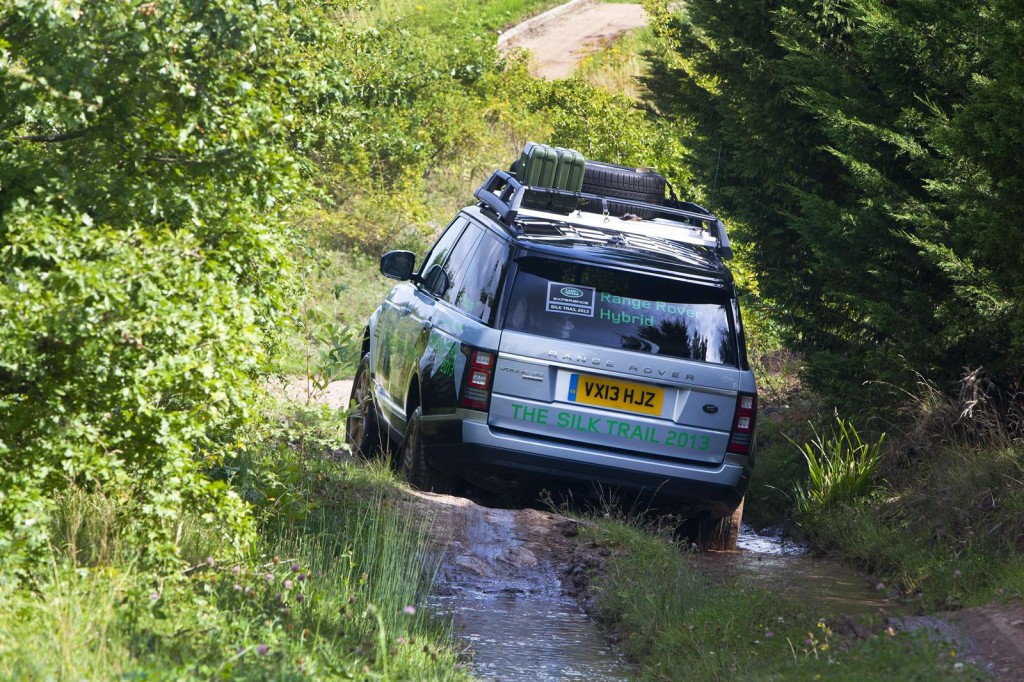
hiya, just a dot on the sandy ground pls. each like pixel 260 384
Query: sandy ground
pixel 559 39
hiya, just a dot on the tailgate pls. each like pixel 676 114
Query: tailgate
pixel 612 410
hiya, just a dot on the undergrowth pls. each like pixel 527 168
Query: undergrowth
pixel 675 621
pixel 329 590
pixel 945 525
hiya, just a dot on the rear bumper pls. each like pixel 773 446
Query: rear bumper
pixel 512 461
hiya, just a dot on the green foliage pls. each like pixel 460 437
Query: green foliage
pixel 947 525
pixel 863 146
pixel 329 596
pixel 611 127
pixel 841 467
pixel 148 154
pixel 442 15
pixel 779 470
pixel 618 65
pixel 675 617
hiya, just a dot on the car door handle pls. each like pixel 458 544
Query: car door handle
pixel 404 310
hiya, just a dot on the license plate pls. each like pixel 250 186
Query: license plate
pixel 618 395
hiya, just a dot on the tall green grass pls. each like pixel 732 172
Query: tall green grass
pixel 946 527
pixel 330 590
pixel 841 467
pixel 675 622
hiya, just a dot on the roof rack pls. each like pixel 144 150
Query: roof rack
pixel 504 195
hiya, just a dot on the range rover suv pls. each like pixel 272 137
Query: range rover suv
pixel 544 343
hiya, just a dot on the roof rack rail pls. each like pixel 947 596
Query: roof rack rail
pixel 504 195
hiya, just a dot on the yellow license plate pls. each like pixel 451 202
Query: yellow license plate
pixel 618 395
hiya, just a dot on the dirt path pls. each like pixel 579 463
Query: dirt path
pixel 513 580
pixel 995 637
pixel 298 389
pixel 560 38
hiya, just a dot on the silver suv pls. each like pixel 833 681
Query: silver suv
pixel 564 348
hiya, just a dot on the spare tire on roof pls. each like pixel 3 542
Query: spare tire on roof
pixel 624 182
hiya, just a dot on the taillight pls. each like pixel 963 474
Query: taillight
pixel 477 379
pixel 743 424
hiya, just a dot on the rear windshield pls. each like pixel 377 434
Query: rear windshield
pixel 617 309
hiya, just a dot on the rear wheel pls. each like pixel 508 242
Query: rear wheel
pixel 361 427
pixel 718 535
pixel 414 466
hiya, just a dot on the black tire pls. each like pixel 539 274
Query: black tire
pixel 362 430
pixel 623 182
pixel 720 535
pixel 413 460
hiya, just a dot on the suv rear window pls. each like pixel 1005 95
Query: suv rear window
pixel 618 309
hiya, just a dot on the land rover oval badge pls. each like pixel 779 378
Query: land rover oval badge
pixel 710 409
pixel 571 292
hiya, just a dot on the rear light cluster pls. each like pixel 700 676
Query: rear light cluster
pixel 743 424
pixel 477 379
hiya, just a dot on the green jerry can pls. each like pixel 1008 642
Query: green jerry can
pixel 569 169
pixel 537 165
pixel 568 176
pixel 544 166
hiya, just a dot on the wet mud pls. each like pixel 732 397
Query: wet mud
pixel 500 582
pixel 513 584
pixel 773 561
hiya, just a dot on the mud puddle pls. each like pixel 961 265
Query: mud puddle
pixel 530 637
pixel 499 582
pixel 506 581
pixel 774 562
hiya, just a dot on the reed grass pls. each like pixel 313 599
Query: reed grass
pixel 331 592
pixel 841 467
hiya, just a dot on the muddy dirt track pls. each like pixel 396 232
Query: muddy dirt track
pixel 557 40
pixel 523 556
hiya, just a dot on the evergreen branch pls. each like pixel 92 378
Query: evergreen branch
pixel 59 137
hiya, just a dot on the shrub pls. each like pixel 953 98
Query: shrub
pixel 148 155
pixel 841 467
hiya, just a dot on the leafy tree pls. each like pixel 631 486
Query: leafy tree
pixel 857 144
pixel 149 153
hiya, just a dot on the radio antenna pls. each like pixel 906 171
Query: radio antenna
pixel 714 183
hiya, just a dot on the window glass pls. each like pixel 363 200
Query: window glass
pixel 455 267
pixel 430 271
pixel 627 310
pixel 475 281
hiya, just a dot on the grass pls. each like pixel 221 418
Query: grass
pixel 328 591
pixel 671 618
pixel 342 290
pixel 944 523
pixel 432 14
pixel 618 66
pixel 841 467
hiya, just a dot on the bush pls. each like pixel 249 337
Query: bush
pixel 841 467
pixel 148 155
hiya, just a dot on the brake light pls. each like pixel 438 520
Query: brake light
pixel 477 379
pixel 743 424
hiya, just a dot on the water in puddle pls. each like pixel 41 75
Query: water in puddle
pixel 527 637
pixel 784 567
pixel 519 625
pixel 507 606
